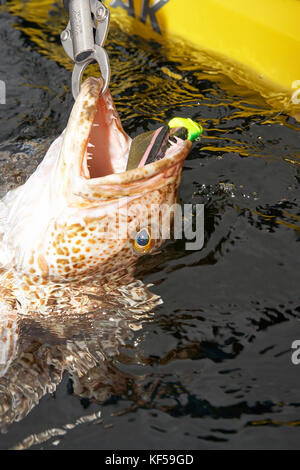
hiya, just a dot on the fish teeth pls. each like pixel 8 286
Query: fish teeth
pixel 91 145
pixel 96 125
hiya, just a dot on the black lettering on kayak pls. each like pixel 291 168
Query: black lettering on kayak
pixel 151 11
pixel 128 6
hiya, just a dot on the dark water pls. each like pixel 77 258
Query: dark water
pixel 212 368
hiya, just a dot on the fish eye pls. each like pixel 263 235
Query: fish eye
pixel 143 241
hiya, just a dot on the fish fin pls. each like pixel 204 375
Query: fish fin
pixel 9 336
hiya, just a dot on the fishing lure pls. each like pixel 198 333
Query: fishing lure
pixel 151 146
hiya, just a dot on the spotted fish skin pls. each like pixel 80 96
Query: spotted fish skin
pixel 60 231
pixel 9 334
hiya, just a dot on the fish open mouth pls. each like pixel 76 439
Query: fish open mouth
pixel 110 150
pixel 104 160
pixel 108 146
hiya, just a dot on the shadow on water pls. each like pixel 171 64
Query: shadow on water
pixel 212 368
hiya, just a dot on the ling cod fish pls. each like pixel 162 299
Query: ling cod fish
pixel 58 244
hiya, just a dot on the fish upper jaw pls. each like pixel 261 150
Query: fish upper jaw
pixel 94 140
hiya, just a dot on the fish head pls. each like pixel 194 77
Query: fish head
pixel 82 213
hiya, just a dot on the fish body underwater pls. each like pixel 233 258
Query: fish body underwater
pixel 64 248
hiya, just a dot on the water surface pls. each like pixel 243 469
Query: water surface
pixel 212 368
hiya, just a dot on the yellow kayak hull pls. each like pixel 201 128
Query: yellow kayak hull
pixel 258 39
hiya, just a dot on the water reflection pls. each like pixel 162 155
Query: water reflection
pixel 39 349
